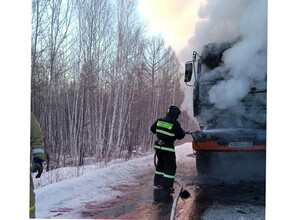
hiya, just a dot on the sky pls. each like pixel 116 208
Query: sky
pixel 175 20
pixel 15 106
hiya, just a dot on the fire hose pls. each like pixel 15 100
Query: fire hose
pixel 172 215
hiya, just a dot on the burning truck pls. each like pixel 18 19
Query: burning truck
pixel 231 141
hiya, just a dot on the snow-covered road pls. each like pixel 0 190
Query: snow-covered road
pixel 124 191
pixel 66 199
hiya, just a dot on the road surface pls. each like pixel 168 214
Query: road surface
pixel 210 198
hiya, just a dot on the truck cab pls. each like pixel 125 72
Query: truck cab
pixel 231 142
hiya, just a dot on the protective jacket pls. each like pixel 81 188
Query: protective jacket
pixel 167 130
pixel 36 139
pixel 37 150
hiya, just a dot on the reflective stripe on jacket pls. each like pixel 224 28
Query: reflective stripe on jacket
pixel 167 130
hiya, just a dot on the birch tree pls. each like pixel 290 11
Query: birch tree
pixel 98 82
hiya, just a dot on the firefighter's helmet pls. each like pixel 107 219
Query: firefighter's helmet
pixel 173 111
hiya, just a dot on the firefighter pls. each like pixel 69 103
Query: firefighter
pixel 167 130
pixel 37 151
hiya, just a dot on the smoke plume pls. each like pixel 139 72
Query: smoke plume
pixel 244 24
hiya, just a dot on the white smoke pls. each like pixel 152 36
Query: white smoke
pixel 245 62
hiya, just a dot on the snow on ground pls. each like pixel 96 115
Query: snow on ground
pixel 63 173
pixel 95 184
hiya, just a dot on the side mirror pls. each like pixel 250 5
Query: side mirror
pixel 188 71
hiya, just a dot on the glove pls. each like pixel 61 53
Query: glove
pixel 189 132
pixel 37 166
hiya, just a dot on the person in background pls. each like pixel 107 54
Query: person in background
pixel 38 156
pixel 167 130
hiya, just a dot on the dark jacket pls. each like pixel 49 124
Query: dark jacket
pixel 167 130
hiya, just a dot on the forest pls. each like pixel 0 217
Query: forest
pixel 98 80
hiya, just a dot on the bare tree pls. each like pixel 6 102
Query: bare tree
pixel 98 83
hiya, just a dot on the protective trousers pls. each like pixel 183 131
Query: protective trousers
pixel 165 169
pixel 31 199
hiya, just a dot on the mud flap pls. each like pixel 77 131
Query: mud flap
pixel 237 165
